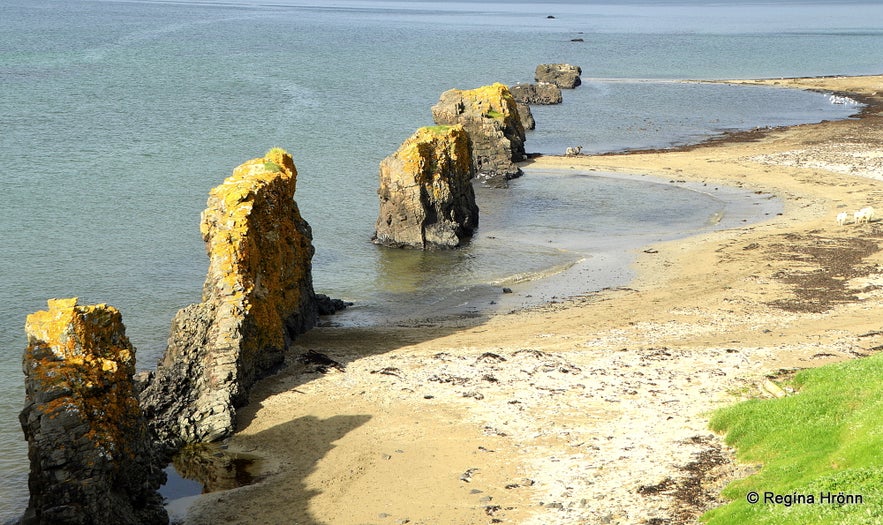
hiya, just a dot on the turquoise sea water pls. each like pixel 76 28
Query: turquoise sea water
pixel 117 117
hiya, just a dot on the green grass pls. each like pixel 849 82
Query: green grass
pixel 272 166
pixel 494 114
pixel 826 438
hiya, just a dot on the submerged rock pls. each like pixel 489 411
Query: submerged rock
pixel 490 116
pixel 562 75
pixel 329 306
pixel 90 452
pixel 426 195
pixel 258 295
pixel 542 93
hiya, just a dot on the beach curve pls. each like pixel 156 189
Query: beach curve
pixel 593 409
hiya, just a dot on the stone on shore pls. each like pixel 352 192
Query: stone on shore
pixel 91 456
pixel 426 195
pixel 564 76
pixel 490 116
pixel 258 295
pixel 542 93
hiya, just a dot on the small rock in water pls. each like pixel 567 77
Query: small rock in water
pixel 507 290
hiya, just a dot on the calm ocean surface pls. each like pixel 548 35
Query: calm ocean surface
pixel 117 117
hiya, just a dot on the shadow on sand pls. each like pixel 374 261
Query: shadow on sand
pixel 312 438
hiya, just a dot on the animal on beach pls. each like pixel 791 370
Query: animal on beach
pixel 864 215
pixel 572 151
pixel 842 217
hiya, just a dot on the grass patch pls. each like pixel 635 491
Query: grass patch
pixel 827 439
pixel 494 114
pixel 272 167
pixel 438 129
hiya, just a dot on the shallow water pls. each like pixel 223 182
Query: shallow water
pixel 117 117
pixel 552 233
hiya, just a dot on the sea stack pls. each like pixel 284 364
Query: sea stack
pixel 542 93
pixel 490 116
pixel 564 76
pixel 90 452
pixel 426 195
pixel 258 295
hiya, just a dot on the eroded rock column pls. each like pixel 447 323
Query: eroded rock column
pixel 490 116
pixel 258 295
pixel 426 195
pixel 89 449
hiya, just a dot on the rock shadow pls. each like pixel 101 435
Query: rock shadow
pixel 310 439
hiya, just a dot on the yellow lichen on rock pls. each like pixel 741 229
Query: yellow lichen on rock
pixel 495 101
pixel 492 120
pixel 434 151
pixel 426 194
pixel 85 429
pixel 257 296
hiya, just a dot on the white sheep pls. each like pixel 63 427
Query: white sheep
pixel 865 214
pixel 572 151
pixel 842 217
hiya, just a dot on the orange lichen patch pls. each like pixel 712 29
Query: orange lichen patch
pixel 81 360
pixel 426 197
pixel 434 152
pixel 493 101
pixel 252 252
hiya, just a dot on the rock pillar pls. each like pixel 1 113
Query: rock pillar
pixel 258 295
pixel 491 119
pixel 91 457
pixel 426 195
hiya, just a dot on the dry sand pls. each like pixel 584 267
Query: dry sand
pixel 594 410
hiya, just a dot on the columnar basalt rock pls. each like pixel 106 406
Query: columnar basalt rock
pixel 91 457
pixel 258 295
pixel 542 93
pixel 564 76
pixel 491 119
pixel 426 195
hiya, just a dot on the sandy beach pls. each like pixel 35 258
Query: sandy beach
pixel 594 409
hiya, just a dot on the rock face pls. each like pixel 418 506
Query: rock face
pixel 526 116
pixel 562 75
pixel 90 452
pixel 491 119
pixel 542 93
pixel 426 195
pixel 258 295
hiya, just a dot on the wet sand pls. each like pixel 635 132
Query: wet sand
pixel 592 409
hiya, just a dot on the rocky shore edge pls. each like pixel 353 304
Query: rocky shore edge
pixel 241 333
pixel 594 409
pixel 98 435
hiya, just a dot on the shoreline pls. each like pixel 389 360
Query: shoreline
pixel 594 264
pixel 596 408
